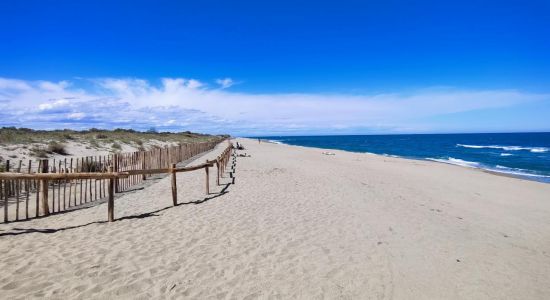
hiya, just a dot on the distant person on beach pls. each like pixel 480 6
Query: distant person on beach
pixel 259 141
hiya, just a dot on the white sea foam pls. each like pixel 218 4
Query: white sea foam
pixel 275 142
pixel 507 148
pixel 506 154
pixel 457 161
pixel 516 171
pixel 497 168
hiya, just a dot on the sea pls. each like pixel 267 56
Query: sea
pixel 524 155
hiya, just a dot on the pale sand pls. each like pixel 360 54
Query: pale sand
pixel 297 224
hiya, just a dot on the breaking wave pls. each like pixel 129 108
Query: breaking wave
pixel 507 148
pixel 497 168
pixel 456 161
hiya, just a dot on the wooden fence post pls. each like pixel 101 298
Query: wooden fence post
pixel 5 200
pixel 143 177
pixel 174 186
pixel 44 185
pixel 116 165
pixel 28 190
pixel 8 182
pixel 37 187
pixel 218 172
pixel 111 202
pixel 222 162
pixel 207 180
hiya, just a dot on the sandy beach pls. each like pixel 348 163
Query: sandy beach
pixel 295 223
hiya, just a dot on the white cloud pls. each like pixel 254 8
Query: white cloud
pixel 187 104
pixel 52 105
pixel 194 84
pixel 7 84
pixel 54 87
pixel 225 82
pixel 76 116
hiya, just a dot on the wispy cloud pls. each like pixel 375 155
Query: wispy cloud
pixel 188 104
pixel 225 82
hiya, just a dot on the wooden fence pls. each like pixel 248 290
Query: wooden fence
pixel 50 187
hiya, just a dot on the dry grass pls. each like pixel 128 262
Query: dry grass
pixel 39 152
pixel 55 147
pixel 116 146
pixel 12 135
pixel 43 143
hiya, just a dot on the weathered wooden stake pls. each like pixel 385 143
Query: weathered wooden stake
pixel 111 202
pixel 37 210
pixel 174 186
pixel 28 189
pixel 144 177
pixel 17 189
pixel 217 173
pixel 8 182
pixel 17 183
pixel 44 185
pixel 5 200
pixel 207 180
pixel 116 161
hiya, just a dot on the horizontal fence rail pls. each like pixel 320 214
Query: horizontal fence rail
pixel 52 187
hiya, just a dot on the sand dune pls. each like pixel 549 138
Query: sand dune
pixel 296 224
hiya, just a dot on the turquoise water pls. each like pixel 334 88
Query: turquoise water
pixel 525 155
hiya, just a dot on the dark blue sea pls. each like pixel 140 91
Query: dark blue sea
pixel 525 155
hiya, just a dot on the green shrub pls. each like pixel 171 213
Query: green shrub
pixel 55 147
pixel 94 143
pixel 39 152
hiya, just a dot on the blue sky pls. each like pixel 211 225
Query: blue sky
pixel 283 67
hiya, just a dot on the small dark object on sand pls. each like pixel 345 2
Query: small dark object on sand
pixel 239 146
